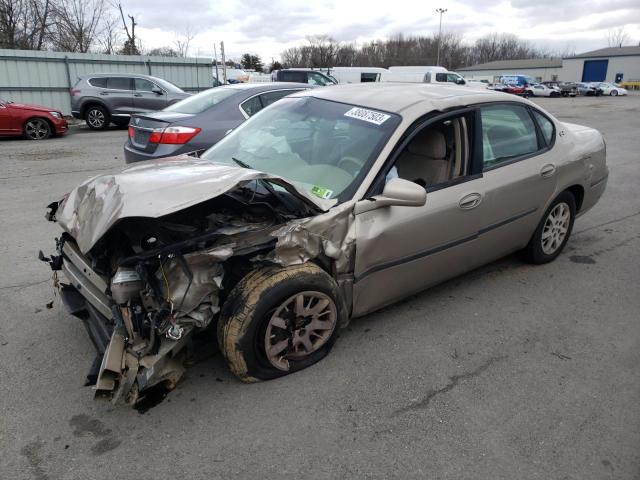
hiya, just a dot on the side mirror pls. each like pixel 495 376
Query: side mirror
pixel 460 81
pixel 157 90
pixel 398 192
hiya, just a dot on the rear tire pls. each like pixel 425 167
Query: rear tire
pixel 97 117
pixel 262 331
pixel 553 231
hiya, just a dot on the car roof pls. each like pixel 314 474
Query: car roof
pixel 132 74
pixel 397 97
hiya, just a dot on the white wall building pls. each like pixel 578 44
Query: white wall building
pixel 615 64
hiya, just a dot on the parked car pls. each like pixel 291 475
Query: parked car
pixel 588 89
pixel 611 89
pixel 198 122
pixel 33 122
pixel 541 90
pixel 312 212
pixel 567 89
pixel 303 75
pixel 498 87
pixel 102 98
pixel 514 89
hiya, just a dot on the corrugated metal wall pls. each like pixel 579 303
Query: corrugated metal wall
pixel 44 78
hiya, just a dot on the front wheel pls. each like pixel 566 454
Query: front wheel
pixel 553 231
pixel 614 93
pixel 37 129
pixel 279 320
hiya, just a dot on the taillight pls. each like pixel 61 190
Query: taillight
pixel 131 132
pixel 173 135
pixel 73 91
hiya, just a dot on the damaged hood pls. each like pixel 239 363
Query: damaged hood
pixel 154 189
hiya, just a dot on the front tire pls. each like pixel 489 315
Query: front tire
pixel 97 117
pixel 278 320
pixel 553 231
pixel 37 129
pixel 614 93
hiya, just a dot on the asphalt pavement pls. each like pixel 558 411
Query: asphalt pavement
pixel 509 372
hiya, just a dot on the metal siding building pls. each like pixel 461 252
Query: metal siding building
pixel 605 64
pixel 541 69
pixel 45 78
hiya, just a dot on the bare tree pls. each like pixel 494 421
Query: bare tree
pixel 110 37
pixel 183 41
pixel 163 52
pixel 78 23
pixel 616 37
pixel 25 24
pixel 131 45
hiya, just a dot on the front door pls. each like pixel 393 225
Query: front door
pixel 402 250
pixel 145 99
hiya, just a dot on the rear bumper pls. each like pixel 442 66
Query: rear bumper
pixel 76 114
pixel 594 192
pixel 132 155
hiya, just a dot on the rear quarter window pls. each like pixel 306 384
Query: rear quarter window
pixel 98 82
pixel 546 126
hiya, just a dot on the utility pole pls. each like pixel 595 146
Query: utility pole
pixel 440 11
pixel 215 55
pixel 224 64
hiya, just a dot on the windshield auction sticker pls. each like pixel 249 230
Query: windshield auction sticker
pixel 368 115
pixel 321 192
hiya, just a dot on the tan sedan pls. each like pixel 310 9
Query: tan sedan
pixel 325 206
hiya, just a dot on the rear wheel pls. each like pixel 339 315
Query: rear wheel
pixel 97 117
pixel 553 230
pixel 37 129
pixel 279 320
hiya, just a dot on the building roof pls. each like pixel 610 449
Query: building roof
pixel 610 52
pixel 521 64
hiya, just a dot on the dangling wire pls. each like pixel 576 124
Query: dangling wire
pixel 166 282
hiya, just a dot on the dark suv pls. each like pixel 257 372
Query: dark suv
pixel 310 77
pixel 102 98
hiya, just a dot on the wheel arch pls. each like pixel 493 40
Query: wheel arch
pixel 578 194
pixel 92 103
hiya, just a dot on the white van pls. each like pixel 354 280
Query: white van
pixel 356 74
pixel 418 74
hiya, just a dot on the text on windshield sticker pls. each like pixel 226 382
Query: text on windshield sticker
pixel 368 115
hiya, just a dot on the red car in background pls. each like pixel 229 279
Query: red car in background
pixel 515 89
pixel 31 121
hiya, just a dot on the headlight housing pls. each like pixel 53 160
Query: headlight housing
pixel 58 115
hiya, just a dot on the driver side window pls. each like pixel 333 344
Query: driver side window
pixel 438 154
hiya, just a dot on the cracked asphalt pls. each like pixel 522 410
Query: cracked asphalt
pixel 511 371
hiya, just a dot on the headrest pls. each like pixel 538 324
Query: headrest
pixel 429 143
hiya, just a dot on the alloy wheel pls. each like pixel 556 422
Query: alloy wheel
pixel 37 129
pixel 95 118
pixel 300 326
pixel 555 228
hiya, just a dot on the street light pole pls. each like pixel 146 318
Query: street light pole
pixel 440 11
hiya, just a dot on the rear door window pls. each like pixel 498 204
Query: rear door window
pixel 119 83
pixel 298 77
pixel 252 105
pixel 269 97
pixel 100 82
pixel 508 132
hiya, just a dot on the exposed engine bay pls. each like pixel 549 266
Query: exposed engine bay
pixel 149 284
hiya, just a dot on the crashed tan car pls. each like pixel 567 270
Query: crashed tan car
pixel 325 206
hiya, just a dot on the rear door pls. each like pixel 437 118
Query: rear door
pixel 119 95
pixel 145 99
pixel 519 175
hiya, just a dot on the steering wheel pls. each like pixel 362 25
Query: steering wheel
pixel 350 164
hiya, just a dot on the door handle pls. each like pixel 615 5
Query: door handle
pixel 137 94
pixel 470 201
pixel 104 93
pixel 548 170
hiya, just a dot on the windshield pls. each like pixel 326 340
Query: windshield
pixel 168 85
pixel 323 147
pixel 201 101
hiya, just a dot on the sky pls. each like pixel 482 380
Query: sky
pixel 267 27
